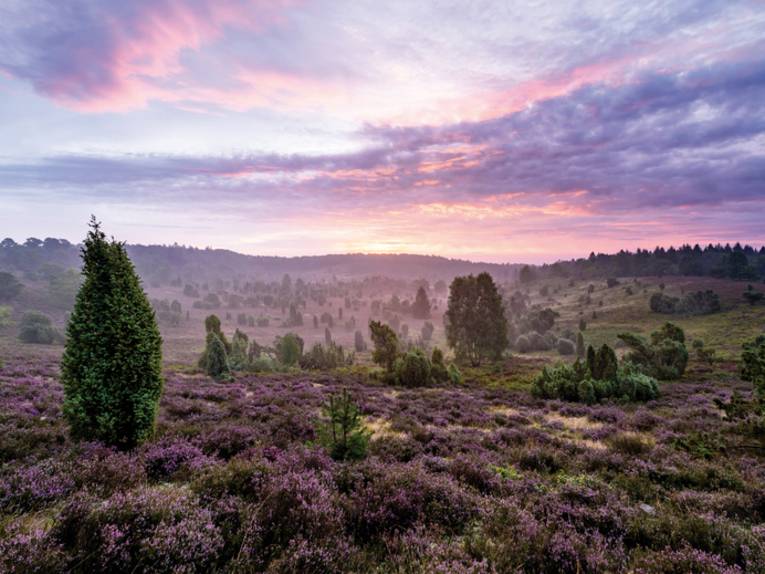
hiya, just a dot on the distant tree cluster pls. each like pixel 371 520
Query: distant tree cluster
pixel 697 303
pixel 741 263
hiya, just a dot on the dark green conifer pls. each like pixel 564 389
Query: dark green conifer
pixel 112 365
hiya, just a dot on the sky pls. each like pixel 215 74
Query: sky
pixel 495 131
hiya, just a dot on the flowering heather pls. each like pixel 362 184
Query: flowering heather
pixel 467 479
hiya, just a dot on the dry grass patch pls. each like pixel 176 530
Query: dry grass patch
pixel 573 423
pixel 381 428
pixel 503 410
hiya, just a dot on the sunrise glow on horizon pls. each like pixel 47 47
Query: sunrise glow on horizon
pixel 503 132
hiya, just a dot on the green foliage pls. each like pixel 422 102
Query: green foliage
pixel 580 352
pixel 36 327
pixel 576 383
pixel 342 432
pixel 421 305
pixel 413 369
pixel 753 366
pixel 455 376
pixel 112 365
pixel 437 366
pixel 10 287
pixel 239 357
pixel 289 349
pixel 215 359
pixel 476 327
pixel 665 357
pixel 386 344
pixel 325 357
pixel 697 303
pixel 634 385
pixel 602 365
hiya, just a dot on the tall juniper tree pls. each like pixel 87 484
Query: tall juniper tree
pixel 112 365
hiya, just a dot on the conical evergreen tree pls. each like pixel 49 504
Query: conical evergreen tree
pixel 216 362
pixel 112 365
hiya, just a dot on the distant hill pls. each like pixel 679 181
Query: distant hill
pixel 160 263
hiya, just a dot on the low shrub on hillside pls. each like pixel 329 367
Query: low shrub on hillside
pixel 696 303
pixel 597 379
pixel 664 357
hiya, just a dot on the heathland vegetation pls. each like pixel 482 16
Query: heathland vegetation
pixel 206 412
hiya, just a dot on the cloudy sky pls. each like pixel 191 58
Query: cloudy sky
pixel 501 131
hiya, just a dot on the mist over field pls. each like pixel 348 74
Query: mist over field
pixel 343 287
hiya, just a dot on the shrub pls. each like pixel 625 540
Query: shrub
pixel 413 369
pixel 697 303
pixel 580 352
pixel 753 366
pixel 386 344
pixel 159 529
pixel 342 432
pixel 578 383
pixel 325 357
pixel 455 376
pixel 537 342
pixel 602 365
pixel 566 347
pixel 522 344
pixel 238 359
pixel 633 385
pixel 437 366
pixel 36 327
pixel 289 349
pixel 395 497
pixel 665 357
pixel 214 360
pixel 112 365
pixel 10 287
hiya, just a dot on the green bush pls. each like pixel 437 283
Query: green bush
pixel 325 357
pixel 10 287
pixel 665 357
pixel 633 385
pixel 602 364
pixel 238 359
pixel 413 369
pixel 289 349
pixel 386 345
pixel 112 365
pixel 438 367
pixel 216 363
pixel 576 383
pixel 455 376
pixel 753 366
pixel 36 327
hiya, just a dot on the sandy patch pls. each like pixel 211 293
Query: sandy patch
pixel 381 428
pixel 502 410
pixel 573 423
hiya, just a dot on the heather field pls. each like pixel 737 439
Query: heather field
pixel 475 477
